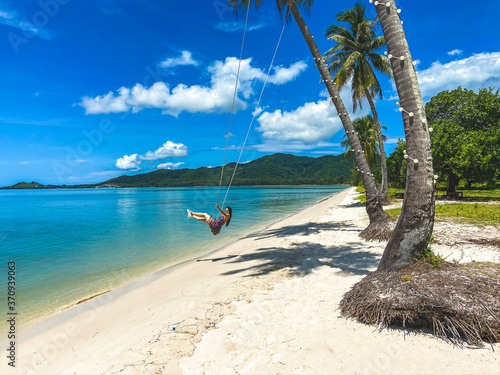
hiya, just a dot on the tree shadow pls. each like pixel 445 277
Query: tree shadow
pixel 302 258
pixel 217 259
pixel 304 230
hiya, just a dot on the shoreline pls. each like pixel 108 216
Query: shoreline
pixel 267 303
pixel 160 269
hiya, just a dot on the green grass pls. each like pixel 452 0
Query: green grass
pixel 361 198
pixel 428 256
pixel 469 213
pixel 475 194
pixel 390 193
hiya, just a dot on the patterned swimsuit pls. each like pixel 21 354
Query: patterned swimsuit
pixel 216 225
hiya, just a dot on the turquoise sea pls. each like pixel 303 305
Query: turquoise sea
pixel 71 244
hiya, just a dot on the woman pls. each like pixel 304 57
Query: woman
pixel 215 225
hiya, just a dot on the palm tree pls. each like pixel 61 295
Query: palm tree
pixel 367 134
pixel 379 219
pixel 414 227
pixel 354 59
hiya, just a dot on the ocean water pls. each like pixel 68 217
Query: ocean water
pixel 71 244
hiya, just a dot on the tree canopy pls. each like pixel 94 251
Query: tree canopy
pixel 466 135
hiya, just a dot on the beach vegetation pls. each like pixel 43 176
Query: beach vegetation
pixel 480 214
pixel 428 256
pixel 466 136
pixel 367 134
pixel 396 166
pixel 354 60
pixel 405 278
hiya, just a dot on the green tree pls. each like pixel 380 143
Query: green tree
pixel 354 59
pixel 367 134
pixel 466 135
pixel 396 166
pixel 379 219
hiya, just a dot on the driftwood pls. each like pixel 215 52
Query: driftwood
pixel 460 303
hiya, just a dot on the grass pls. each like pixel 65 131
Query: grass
pixel 390 193
pixel 428 256
pixel 468 213
pixel 462 212
pixel 479 195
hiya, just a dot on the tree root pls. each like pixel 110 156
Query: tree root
pixel 378 230
pixel 461 304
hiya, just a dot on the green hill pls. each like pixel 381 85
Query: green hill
pixel 276 169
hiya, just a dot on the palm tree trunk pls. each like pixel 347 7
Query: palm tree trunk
pixel 383 186
pixel 379 219
pixel 414 228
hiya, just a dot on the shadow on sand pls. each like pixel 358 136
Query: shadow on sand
pixel 302 258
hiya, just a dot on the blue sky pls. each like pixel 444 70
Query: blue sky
pixel 94 89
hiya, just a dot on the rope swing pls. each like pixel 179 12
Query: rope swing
pixel 254 112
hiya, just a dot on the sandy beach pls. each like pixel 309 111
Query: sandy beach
pixel 265 304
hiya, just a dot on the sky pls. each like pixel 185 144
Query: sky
pixel 94 89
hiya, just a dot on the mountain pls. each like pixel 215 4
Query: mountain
pixel 276 169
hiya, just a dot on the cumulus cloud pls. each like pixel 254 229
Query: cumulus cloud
pixel 168 150
pixel 169 165
pixel 307 127
pixel 186 58
pixel 309 123
pixel 478 71
pixel 215 98
pixel 132 162
pixel 455 52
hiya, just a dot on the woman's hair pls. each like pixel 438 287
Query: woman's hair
pixel 230 215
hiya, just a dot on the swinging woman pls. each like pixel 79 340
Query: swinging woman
pixel 215 225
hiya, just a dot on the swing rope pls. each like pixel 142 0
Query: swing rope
pixel 253 117
pixel 234 100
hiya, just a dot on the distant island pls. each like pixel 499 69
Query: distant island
pixel 276 169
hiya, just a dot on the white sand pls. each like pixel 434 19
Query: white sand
pixel 265 304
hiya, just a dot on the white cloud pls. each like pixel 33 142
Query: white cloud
pixel 309 123
pixel 216 98
pixel 478 71
pixel 186 58
pixel 455 52
pixel 231 148
pixel 235 26
pixel 283 75
pixel 14 20
pixel 168 150
pixel 169 165
pixel 295 146
pixel 307 127
pixel 132 162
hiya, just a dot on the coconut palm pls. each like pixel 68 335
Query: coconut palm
pixel 354 59
pixel 367 134
pixel 378 227
pixel 414 227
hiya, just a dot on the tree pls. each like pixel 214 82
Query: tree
pixel 466 135
pixel 414 227
pixel 367 134
pixel 379 219
pixel 354 59
pixel 396 166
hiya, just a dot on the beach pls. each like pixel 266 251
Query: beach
pixel 267 303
